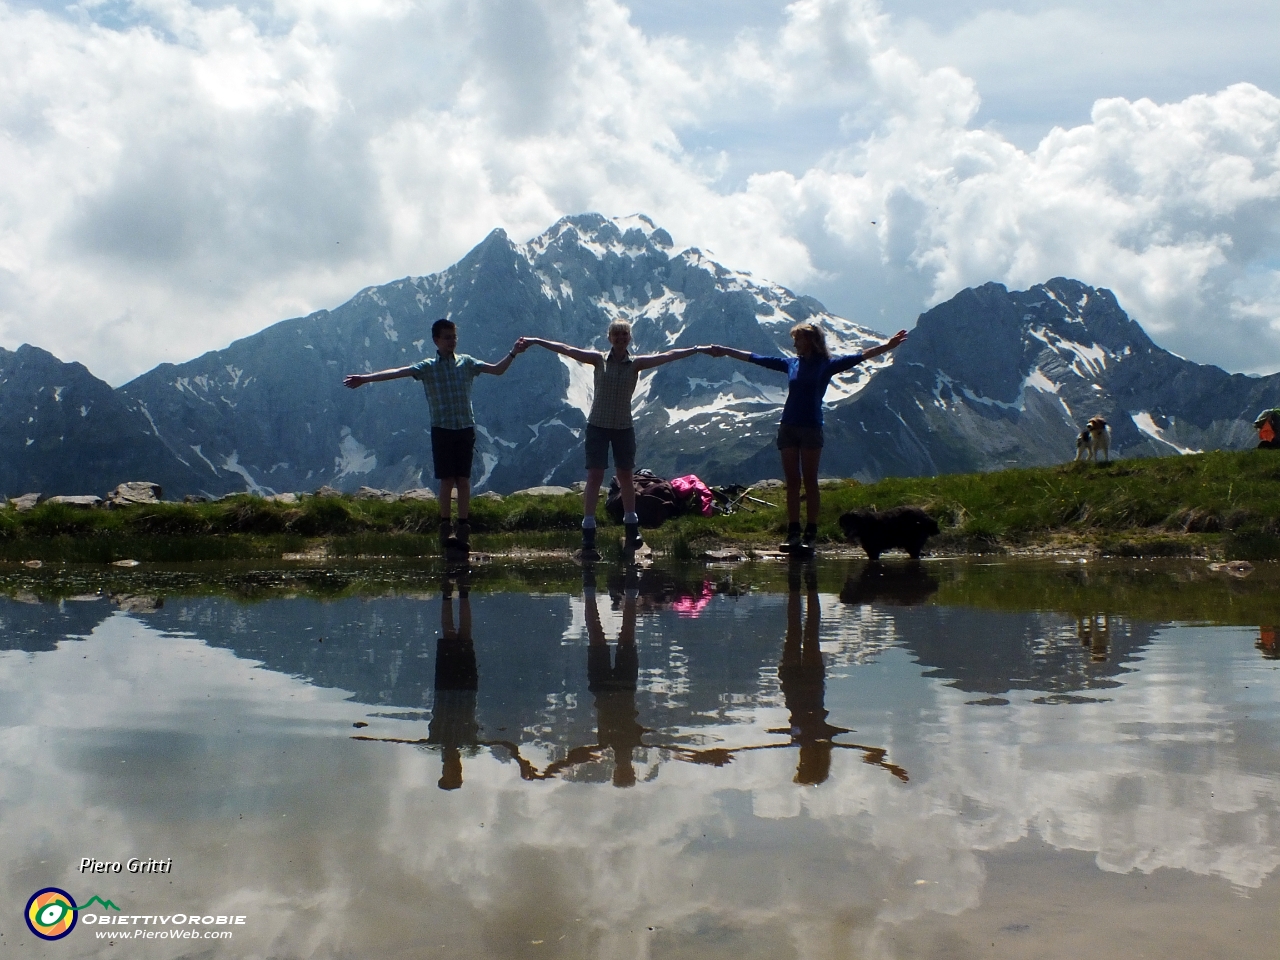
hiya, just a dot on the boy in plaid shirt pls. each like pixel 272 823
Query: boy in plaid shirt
pixel 446 379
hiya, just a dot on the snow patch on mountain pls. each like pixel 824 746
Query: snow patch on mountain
pixel 1090 360
pixel 582 385
pixel 1147 425
pixel 232 464
pixel 353 457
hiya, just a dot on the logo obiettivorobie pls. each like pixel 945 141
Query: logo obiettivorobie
pixel 51 913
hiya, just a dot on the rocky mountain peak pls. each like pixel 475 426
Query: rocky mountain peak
pixel 990 378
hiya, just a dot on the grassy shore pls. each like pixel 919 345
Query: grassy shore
pixel 1222 505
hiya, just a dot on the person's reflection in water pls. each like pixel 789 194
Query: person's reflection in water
pixel 453 719
pixel 802 676
pixel 1267 642
pixel 1095 634
pixel 613 678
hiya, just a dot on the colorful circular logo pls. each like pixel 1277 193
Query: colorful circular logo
pixel 51 913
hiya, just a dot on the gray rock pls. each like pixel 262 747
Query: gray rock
pixel 195 498
pixel 286 498
pixel 373 493
pixel 418 493
pixel 327 491
pixel 28 501
pixel 723 556
pixel 769 484
pixel 544 491
pixel 137 603
pixel 134 492
pixel 489 495
pixel 87 502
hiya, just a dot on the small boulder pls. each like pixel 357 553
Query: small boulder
pixel 489 495
pixel 133 492
pixel 195 498
pixel 768 485
pixel 373 493
pixel 286 498
pixel 418 493
pixel 84 502
pixel 28 501
pixel 543 491
pixel 137 602
pixel 327 491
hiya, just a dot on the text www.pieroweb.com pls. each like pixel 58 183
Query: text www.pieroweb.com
pixel 176 926
pixel 165 934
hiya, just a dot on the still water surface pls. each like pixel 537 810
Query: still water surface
pixel 951 760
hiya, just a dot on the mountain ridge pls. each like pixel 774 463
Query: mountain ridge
pixel 988 377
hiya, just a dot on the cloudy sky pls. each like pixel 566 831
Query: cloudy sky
pixel 178 174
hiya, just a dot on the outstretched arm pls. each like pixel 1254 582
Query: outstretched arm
pixel 354 380
pixel 894 342
pixel 573 353
pixel 658 359
pixel 499 368
pixel 716 350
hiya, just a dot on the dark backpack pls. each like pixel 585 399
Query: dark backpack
pixel 656 501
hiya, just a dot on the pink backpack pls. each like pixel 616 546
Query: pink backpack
pixel 691 487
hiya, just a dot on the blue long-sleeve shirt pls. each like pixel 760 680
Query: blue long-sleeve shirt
pixel 807 382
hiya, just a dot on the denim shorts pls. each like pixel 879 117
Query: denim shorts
pixel 806 438
pixel 599 440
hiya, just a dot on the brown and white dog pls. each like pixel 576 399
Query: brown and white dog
pixel 1095 438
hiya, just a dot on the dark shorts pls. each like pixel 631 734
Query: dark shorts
pixel 806 438
pixel 451 452
pixel 624 448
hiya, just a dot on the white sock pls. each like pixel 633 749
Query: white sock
pixel 588 523
pixel 630 517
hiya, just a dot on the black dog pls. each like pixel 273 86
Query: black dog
pixel 904 527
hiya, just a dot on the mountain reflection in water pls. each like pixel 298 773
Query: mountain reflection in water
pixel 683 762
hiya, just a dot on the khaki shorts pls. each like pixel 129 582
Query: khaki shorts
pixel 806 438
pixel 599 439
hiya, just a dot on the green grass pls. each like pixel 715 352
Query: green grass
pixel 1220 504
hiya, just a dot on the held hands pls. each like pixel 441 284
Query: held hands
pixel 522 344
pixel 714 350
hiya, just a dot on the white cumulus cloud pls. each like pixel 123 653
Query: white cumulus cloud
pixel 181 174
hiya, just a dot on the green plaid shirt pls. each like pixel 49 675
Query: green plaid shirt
pixel 447 382
pixel 615 383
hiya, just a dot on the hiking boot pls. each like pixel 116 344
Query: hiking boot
pixel 589 551
pixel 793 538
pixel 464 534
pixel 810 536
pixel 633 542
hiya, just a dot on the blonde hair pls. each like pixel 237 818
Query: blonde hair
pixel 619 325
pixel 816 337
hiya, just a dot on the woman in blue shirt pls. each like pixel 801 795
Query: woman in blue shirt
pixel 800 434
